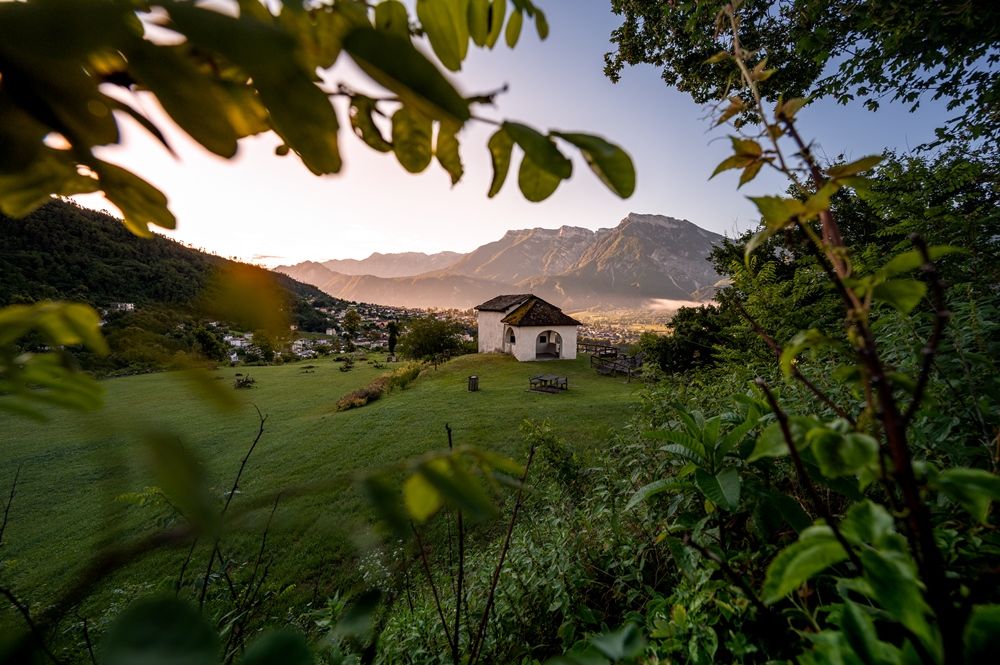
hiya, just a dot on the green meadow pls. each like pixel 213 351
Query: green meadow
pixel 77 470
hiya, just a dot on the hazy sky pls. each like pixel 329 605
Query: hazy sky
pixel 272 210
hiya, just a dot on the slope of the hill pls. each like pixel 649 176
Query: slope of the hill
pixel 64 251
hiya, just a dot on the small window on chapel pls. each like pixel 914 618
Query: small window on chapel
pixel 543 339
pixel 512 338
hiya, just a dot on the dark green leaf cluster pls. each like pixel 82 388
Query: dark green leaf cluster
pixel 904 50
pixel 223 76
pixel 429 337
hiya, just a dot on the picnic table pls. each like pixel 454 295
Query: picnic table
pixel 548 383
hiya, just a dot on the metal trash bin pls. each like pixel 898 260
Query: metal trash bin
pixel 473 384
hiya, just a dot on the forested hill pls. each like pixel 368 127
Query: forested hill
pixel 64 251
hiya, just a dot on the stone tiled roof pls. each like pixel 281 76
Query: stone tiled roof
pixel 537 312
pixel 503 303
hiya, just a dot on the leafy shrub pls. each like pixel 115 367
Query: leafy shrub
pixel 243 381
pixel 381 385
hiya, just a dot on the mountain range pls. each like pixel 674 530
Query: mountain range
pixel 642 260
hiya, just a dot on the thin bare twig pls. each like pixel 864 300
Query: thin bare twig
pixel 477 645
pixel 456 645
pixel 87 640
pixel 9 503
pixel 434 591
pixel 232 492
pixel 187 560
pixel 36 632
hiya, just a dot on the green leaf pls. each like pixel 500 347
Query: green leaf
pixel 21 136
pixel 181 477
pixel 500 145
pixel 245 111
pixel 383 495
pixel 912 259
pixel 422 500
pixel 513 28
pixel 363 122
pixel 191 99
pixel 750 172
pixel 626 642
pixel 446 151
pixel 411 139
pixel 682 440
pixel 778 211
pixel 868 523
pixel 498 11
pixel 479 21
pixel 541 24
pixel 646 492
pixel 982 634
pixel 893 583
pixel 53 172
pixel 160 631
pixel 746 147
pixel 85 326
pixel 489 461
pixel 446 25
pixel 771 442
pixel 391 17
pixel 859 629
pixel 610 163
pixel 282 646
pixel 973 489
pixel 803 341
pixel 733 162
pixel 536 183
pixel 853 168
pixel 816 550
pixel 842 454
pixel 394 63
pixel 722 489
pixel 141 203
pixel 787 109
pixel 319 32
pixel 357 621
pixel 790 511
pixel 460 489
pixel 902 294
pixel 735 436
pixel 540 148
pixel 298 110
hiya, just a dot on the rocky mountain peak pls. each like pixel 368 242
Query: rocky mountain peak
pixel 656 220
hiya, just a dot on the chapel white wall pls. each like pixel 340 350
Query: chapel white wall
pixel 490 331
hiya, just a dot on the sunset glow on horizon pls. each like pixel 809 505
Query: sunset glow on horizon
pixel 271 210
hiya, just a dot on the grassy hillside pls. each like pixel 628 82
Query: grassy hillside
pixel 65 251
pixel 74 466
